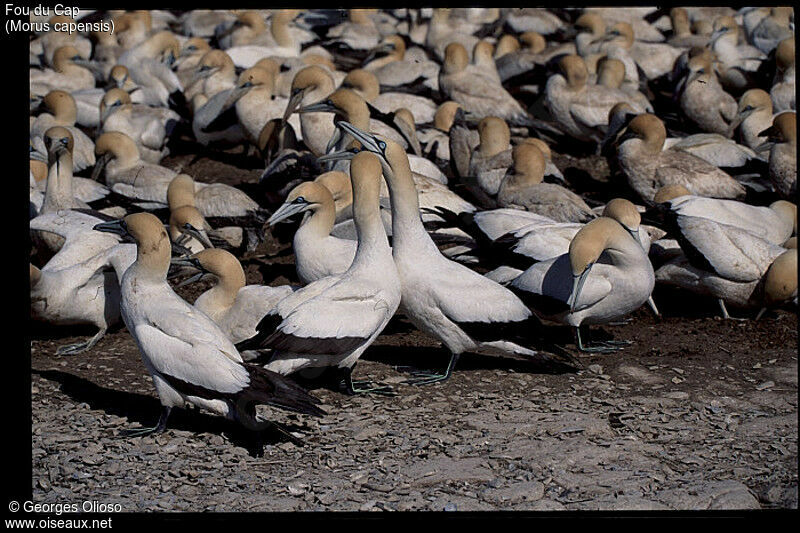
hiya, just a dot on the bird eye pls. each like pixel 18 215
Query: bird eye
pixel 299 200
pixel 191 47
pixel 118 102
pixel 382 145
pixel 247 84
pixel 748 108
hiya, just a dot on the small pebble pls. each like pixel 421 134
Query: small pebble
pixel 765 385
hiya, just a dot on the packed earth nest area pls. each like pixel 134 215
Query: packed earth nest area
pixel 462 259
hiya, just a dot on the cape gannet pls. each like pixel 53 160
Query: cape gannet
pixel 523 188
pixel 318 254
pixel 188 356
pixel 150 127
pixel 775 223
pixel 331 321
pixel 730 264
pixel 80 284
pixel 605 275
pixel 62 111
pixel 648 167
pixel 782 136
pixel 463 309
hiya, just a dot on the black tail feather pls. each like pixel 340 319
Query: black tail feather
pixel 270 388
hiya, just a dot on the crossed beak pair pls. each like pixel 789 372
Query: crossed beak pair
pixel 366 140
pixel 188 231
pixel 320 107
pixel 184 265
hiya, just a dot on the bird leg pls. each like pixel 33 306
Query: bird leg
pixel 653 307
pixel 426 378
pixel 724 310
pixel 599 346
pixel 362 387
pixel 78 347
pixel 158 428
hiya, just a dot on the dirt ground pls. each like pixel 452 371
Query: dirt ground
pixel 698 413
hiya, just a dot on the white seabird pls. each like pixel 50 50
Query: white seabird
pixel 605 275
pixel 331 321
pixel 189 357
pixel 463 309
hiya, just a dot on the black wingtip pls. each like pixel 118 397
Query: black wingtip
pixel 264 329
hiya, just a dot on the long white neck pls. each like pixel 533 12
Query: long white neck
pixel 372 241
pixel 217 299
pixel 408 233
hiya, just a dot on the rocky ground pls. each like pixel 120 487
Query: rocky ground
pixel 698 413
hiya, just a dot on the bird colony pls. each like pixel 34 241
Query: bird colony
pixel 414 162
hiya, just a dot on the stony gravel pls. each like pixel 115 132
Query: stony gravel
pixel 698 413
pixel 654 427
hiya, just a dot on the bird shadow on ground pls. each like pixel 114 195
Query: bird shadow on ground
pixel 676 302
pixel 44 331
pixel 435 359
pixel 145 410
